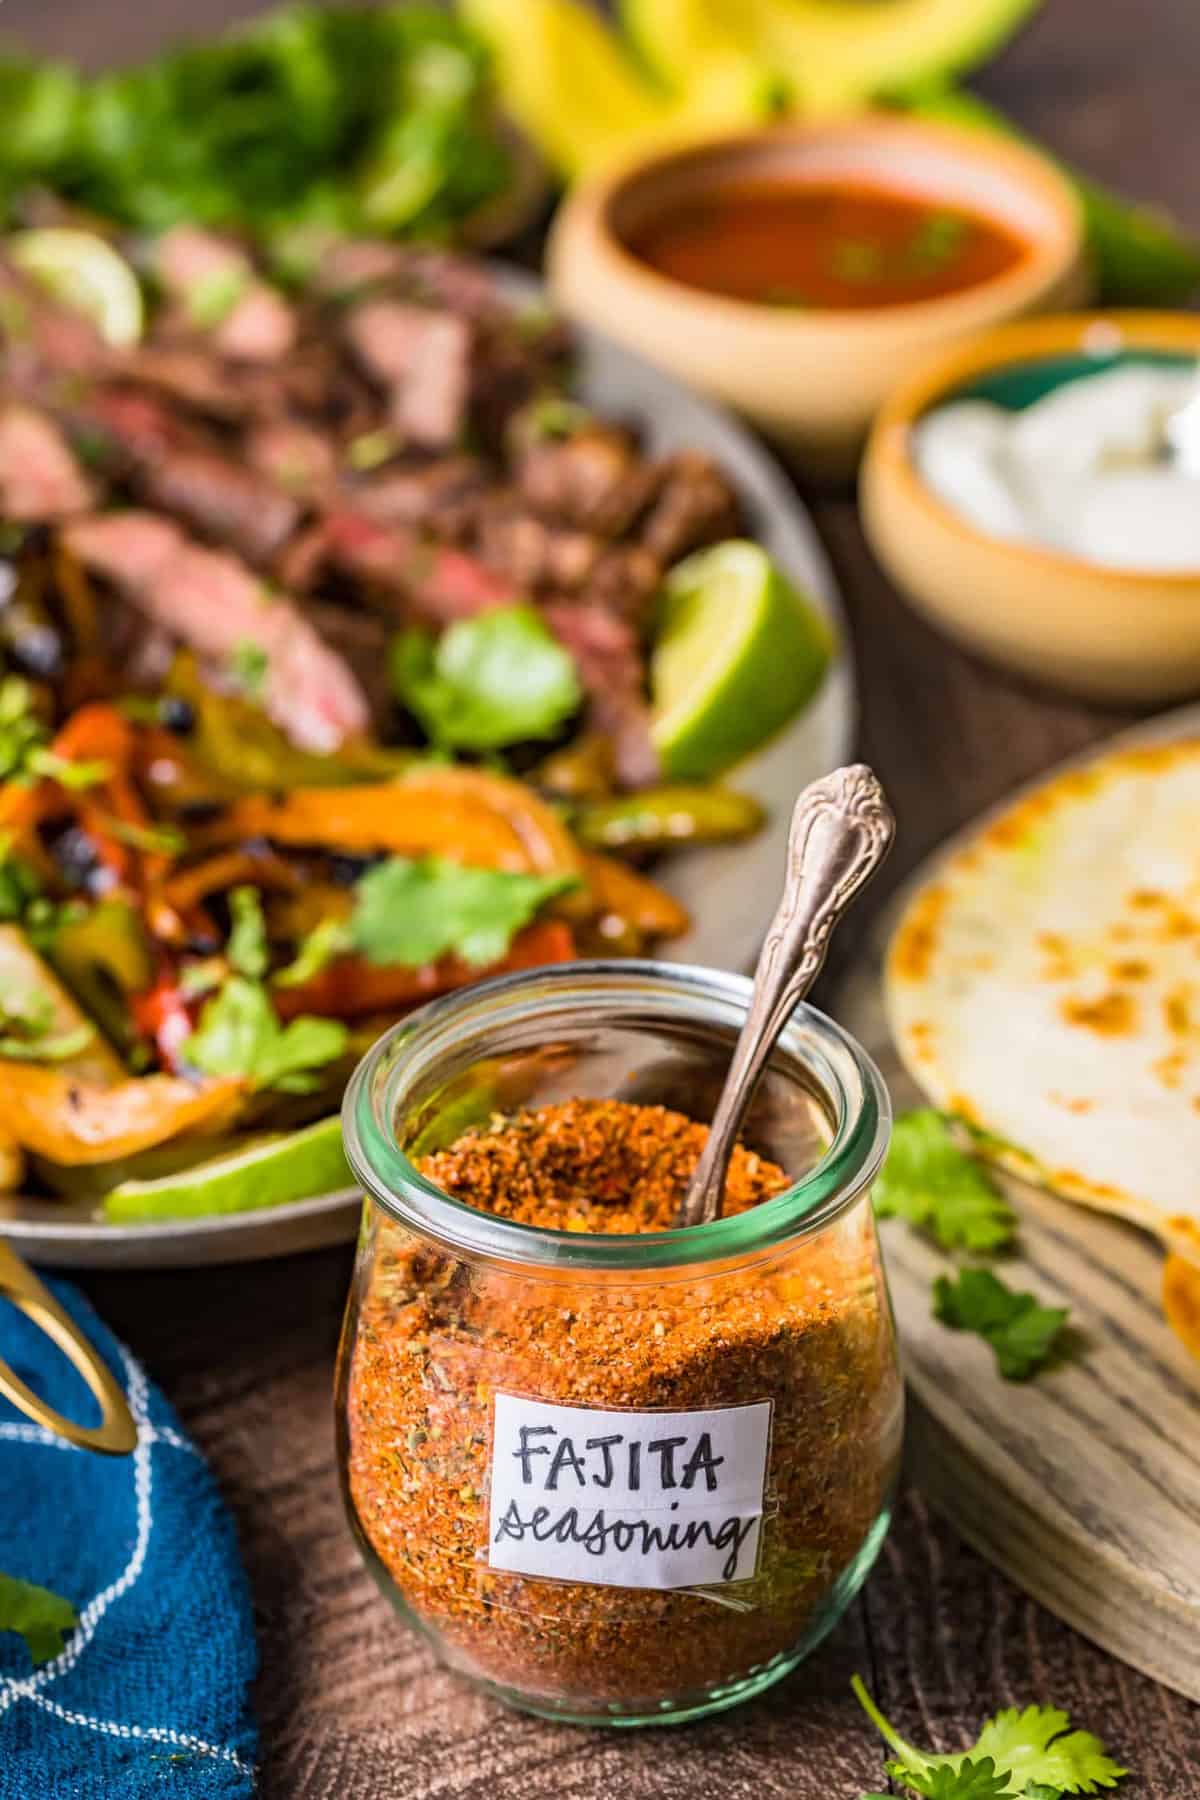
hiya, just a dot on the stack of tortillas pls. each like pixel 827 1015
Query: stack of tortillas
pixel 1045 987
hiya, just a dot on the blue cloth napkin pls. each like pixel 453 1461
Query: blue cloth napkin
pixel 150 1695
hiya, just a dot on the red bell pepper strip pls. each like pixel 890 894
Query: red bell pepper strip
pixel 351 986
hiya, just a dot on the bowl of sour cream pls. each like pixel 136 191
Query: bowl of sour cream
pixel 1036 493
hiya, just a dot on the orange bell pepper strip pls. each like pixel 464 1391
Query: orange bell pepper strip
pixel 99 733
pixel 69 1121
pixel 1181 1300
pixel 351 985
pixel 93 733
pixel 470 815
pixel 232 868
pixel 620 891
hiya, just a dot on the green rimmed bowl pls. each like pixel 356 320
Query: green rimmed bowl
pixel 1124 635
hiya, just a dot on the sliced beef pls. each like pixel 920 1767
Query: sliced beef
pixel 625 579
pixel 611 672
pixel 535 556
pixel 185 471
pixel 442 496
pixel 220 293
pixel 297 457
pixel 422 358
pixel 39 477
pixel 222 499
pixel 595 478
pixel 695 506
pixel 194 378
pixel 418 578
pixel 351 266
pixel 361 640
pixel 213 603
pixel 348 265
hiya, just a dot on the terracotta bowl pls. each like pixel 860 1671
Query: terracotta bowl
pixel 813 379
pixel 1107 634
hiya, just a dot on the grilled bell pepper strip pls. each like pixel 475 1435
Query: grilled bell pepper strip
pixel 12 1165
pixel 662 818
pixel 470 815
pixel 69 1121
pixel 162 1015
pixel 104 958
pixel 232 868
pixel 235 743
pixel 27 983
pixel 620 893
pixel 352 986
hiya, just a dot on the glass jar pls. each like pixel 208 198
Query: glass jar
pixel 618 1479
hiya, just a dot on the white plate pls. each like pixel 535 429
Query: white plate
pixel 729 891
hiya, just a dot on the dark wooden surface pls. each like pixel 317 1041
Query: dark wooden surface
pixel 351 1705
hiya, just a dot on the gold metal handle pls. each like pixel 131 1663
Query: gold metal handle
pixel 116 1434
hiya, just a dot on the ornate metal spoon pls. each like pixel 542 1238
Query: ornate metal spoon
pixel 841 831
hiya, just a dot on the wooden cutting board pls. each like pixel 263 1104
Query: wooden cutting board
pixel 1084 1484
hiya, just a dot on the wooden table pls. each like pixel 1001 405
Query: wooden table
pixel 351 1704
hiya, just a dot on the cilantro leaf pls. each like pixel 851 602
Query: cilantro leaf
pixel 1020 1330
pixel 489 681
pixel 246 947
pixel 41 1617
pixel 1037 1746
pixel 411 912
pixel 970 1781
pixel 1029 1750
pixel 239 1033
pixel 928 1181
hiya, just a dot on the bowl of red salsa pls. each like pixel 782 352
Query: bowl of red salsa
pixel 798 273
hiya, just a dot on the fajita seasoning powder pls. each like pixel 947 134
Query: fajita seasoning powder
pixel 617 1471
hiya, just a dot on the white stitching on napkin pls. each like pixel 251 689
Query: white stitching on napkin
pixel 158 1734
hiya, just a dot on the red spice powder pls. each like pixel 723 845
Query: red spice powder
pixel 805 1327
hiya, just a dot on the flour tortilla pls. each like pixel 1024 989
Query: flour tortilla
pixel 1044 985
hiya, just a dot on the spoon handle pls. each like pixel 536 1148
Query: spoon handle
pixel 841 830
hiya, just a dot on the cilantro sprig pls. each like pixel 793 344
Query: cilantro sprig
pixel 938 1189
pixel 41 1617
pixel 1032 1752
pixel 239 1031
pixel 1023 1333
pixel 488 682
pixel 410 911
pixel 414 911
pixel 935 1186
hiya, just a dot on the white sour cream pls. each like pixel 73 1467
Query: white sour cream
pixel 1102 468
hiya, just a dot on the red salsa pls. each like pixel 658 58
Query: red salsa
pixel 828 244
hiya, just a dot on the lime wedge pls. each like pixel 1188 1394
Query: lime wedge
pixel 268 1172
pixel 739 653
pixel 82 271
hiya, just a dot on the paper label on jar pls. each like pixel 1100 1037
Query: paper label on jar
pixel 627 1499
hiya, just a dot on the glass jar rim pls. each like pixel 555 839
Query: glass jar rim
pixel 846 1075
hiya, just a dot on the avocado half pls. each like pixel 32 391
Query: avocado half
pixel 825 54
